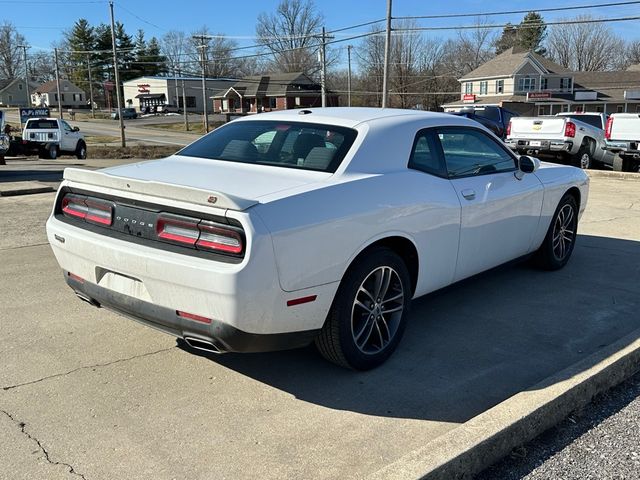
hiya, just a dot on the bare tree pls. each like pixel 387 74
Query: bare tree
pixel 291 35
pixel 42 67
pixel 472 48
pixel 10 54
pixel 633 53
pixel 220 60
pixel 174 46
pixel 370 59
pixel 585 47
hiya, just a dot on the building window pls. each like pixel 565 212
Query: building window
pixel 55 95
pixel 272 102
pixel 62 96
pixel 468 88
pixel 10 98
pixel 540 110
pixel 19 86
pixel 499 86
pixel 565 84
pixel 544 84
pixel 637 108
pixel 565 107
pixel 483 88
pixel 599 109
pixel 620 109
pixel 526 84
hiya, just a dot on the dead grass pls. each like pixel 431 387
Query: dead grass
pixel 139 151
pixel 97 139
pixel 179 127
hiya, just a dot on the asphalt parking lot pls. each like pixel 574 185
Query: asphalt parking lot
pixel 86 393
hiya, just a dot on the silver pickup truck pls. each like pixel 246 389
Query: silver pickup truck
pixel 577 138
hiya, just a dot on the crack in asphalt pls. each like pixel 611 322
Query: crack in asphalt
pixel 24 246
pixel 120 360
pixel 23 429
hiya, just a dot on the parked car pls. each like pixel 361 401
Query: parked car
pixel 167 108
pixel 577 138
pixel 623 140
pixel 324 236
pixel 52 137
pixel 495 119
pixel 127 113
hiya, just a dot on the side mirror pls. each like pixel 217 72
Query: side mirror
pixel 528 164
pixel 76 129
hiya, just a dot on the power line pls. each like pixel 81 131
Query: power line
pixel 513 12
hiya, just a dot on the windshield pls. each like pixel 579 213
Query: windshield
pixel 593 120
pixel 37 124
pixel 306 146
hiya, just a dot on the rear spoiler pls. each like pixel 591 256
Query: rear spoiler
pixel 170 191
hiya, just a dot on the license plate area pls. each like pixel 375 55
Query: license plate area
pixel 124 284
pixel 535 143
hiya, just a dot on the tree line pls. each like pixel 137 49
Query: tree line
pixel 423 69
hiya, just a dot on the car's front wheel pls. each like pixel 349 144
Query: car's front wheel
pixel 368 315
pixel 556 249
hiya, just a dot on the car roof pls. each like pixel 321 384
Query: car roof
pixel 348 116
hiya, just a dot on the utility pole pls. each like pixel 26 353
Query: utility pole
pixel 55 53
pixel 117 75
pixel 323 72
pixel 26 74
pixel 93 113
pixel 387 47
pixel 349 47
pixel 184 103
pixel 203 56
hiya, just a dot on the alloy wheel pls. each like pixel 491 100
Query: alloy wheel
pixel 564 232
pixel 377 310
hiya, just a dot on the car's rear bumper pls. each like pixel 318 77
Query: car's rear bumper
pixel 216 336
pixel 543 146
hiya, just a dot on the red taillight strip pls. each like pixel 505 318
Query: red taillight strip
pixel 184 232
pixel 75 277
pixel 101 213
pixel 217 238
pixel 191 316
pixel 74 206
pixel 301 300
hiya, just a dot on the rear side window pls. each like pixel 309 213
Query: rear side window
pixel 300 145
pixel 37 124
pixel 425 156
pixel 593 120
pixel 490 113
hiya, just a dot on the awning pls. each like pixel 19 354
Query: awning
pixel 151 96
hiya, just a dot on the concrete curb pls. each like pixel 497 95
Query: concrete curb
pixel 12 189
pixel 478 443
pixel 615 175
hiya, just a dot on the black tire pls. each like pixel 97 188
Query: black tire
pixel 340 340
pixel 551 255
pixel 53 152
pixel 583 159
pixel 81 150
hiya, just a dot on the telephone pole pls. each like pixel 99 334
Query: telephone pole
pixel 184 103
pixel 117 74
pixel 93 113
pixel 203 55
pixel 387 48
pixel 55 53
pixel 26 74
pixel 323 65
pixel 349 47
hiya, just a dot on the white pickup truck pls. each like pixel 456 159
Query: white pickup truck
pixel 577 138
pixel 623 138
pixel 51 137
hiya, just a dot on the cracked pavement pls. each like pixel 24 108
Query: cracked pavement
pixel 87 393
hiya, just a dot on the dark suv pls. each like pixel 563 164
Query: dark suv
pixel 495 119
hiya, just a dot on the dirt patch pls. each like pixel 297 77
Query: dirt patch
pixel 138 151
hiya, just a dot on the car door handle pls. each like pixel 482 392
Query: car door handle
pixel 468 194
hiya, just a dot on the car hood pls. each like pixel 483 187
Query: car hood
pixel 237 185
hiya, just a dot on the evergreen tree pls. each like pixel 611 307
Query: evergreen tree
pixel 79 40
pixel 157 62
pixel 507 39
pixel 531 32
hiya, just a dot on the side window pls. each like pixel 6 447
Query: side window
pixel 425 156
pixel 470 152
pixel 66 126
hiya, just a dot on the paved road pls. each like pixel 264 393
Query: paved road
pixel 88 393
pixel 132 131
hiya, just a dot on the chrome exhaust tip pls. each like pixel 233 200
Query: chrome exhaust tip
pixel 200 344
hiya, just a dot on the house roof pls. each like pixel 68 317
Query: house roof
pixel 609 85
pixel 7 82
pixel 508 62
pixel 51 87
pixel 273 85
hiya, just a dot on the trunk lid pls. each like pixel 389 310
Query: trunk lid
pixel 221 184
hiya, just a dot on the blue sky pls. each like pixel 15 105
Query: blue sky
pixel 238 18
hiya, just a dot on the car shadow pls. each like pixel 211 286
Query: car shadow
pixel 31 175
pixel 474 344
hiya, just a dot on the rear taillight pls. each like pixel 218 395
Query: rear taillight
pixel 608 128
pixel 570 129
pixel 89 209
pixel 200 234
pixel 509 128
pixel 180 230
pixel 216 237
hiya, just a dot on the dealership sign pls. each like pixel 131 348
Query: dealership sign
pixel 468 98
pixel 27 113
pixel 538 96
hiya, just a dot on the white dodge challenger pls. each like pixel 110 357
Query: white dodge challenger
pixel 319 225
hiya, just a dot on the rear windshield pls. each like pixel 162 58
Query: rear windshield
pixel 593 120
pixel 42 124
pixel 306 146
